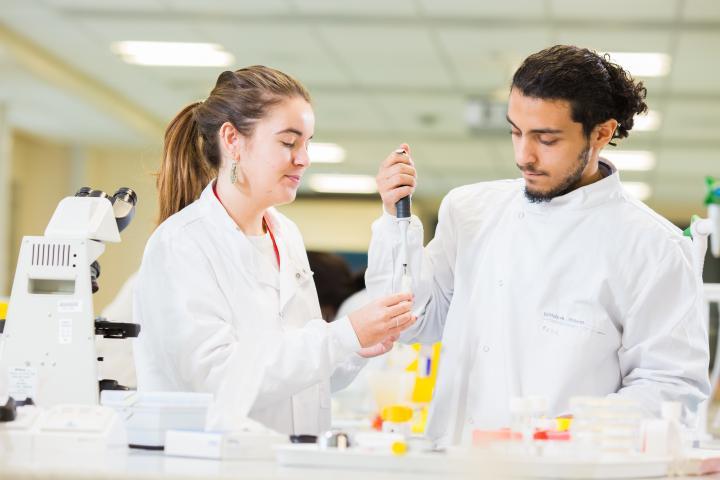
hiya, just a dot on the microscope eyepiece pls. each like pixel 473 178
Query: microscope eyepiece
pixel 126 195
pixel 124 202
pixel 83 192
pixel 99 194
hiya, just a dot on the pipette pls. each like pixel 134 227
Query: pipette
pixel 402 208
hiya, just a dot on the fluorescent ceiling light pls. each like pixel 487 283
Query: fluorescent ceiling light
pixel 337 183
pixel 639 160
pixel 639 190
pixel 326 153
pixel 175 54
pixel 647 122
pixel 642 64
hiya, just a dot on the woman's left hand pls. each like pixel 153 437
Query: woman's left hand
pixel 379 348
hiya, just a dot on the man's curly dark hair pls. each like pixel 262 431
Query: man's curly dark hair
pixel 596 88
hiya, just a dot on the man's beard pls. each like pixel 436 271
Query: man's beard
pixel 567 185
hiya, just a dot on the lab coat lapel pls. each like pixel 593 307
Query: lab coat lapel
pixel 265 276
pixel 289 279
pixel 247 257
pixel 292 273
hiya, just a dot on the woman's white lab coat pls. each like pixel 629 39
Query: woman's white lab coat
pixel 212 321
pixel 590 294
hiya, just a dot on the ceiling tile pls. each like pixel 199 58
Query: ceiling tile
pixel 434 115
pixel 617 40
pixel 151 29
pixel 485 59
pixel 383 8
pixel 702 10
pixel 48 111
pixel 248 7
pixel 688 164
pixel 108 5
pixel 696 63
pixel 293 49
pixel 612 9
pixel 470 8
pixel 692 120
pixel 351 112
pixel 377 56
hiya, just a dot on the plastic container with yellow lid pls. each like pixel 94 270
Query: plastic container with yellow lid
pixel 397 419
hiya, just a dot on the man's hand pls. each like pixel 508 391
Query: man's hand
pixel 396 178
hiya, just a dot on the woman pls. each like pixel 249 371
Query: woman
pixel 224 295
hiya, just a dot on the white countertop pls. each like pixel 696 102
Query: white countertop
pixel 139 465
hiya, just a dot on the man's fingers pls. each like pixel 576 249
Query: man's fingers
pixel 403 180
pixel 399 169
pixel 400 192
pixel 396 157
pixel 389 186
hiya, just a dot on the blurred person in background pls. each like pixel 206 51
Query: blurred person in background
pixel 335 282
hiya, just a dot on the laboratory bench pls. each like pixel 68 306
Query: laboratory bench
pixel 141 464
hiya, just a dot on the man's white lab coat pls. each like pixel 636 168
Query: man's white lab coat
pixel 589 294
pixel 212 321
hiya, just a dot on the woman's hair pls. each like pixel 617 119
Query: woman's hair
pixel 596 88
pixel 191 154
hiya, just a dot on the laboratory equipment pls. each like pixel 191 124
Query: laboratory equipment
pixel 8 411
pixel 334 439
pixel 397 419
pixel 527 414
pixel 699 230
pixel 3 313
pixel 64 429
pixel 712 200
pixel 49 336
pixel 402 208
pixel 240 445
pixel 362 458
pixel 382 442
pixel 149 415
pixel 606 426
pixel 663 436
pixel 604 442
pixel 303 438
pixel 702 228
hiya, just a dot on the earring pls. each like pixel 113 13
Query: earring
pixel 233 173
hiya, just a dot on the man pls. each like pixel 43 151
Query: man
pixel 557 284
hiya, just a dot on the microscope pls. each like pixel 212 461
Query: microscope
pixel 48 352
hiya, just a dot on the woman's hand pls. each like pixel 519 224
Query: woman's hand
pixel 379 348
pixel 382 319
